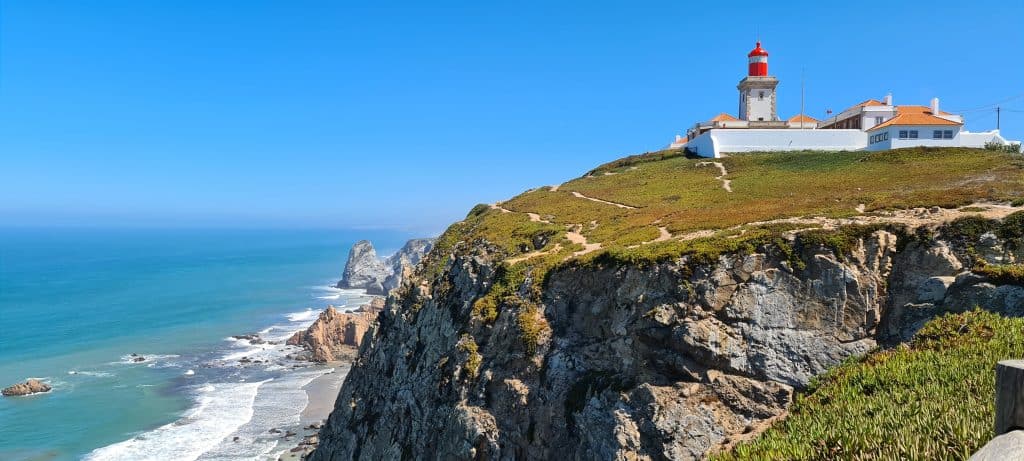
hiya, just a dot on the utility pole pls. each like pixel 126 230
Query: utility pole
pixel 998 110
pixel 801 98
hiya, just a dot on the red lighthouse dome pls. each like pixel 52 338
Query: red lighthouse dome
pixel 758 59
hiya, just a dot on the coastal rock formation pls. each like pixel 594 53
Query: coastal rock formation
pixel 365 270
pixel 336 335
pixel 614 360
pixel 32 386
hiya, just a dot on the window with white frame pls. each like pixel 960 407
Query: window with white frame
pixel 760 96
pixel 947 134
pixel 913 134
pixel 903 134
pixel 937 134
pixel 879 120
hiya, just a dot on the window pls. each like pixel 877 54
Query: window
pixel 903 134
pixel 885 137
pixel 947 134
pixel 760 96
pixel 879 120
pixel 760 119
pixel 937 134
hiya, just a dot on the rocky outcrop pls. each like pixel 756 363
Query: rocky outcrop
pixel 336 335
pixel 32 386
pixel 366 271
pixel 669 360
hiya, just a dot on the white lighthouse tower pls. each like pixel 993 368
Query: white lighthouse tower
pixel 757 89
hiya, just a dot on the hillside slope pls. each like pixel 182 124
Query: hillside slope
pixel 663 307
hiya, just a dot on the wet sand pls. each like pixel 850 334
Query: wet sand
pixel 322 392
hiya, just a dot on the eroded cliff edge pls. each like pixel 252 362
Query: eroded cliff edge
pixel 639 361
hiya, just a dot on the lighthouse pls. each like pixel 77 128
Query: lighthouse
pixel 757 89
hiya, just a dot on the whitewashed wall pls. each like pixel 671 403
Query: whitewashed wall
pixel 969 139
pixel 715 142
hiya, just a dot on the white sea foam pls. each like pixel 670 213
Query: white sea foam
pixel 307 315
pixel 93 374
pixel 332 292
pixel 220 410
pixel 274 408
pixel 146 359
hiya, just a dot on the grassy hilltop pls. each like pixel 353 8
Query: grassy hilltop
pixel 663 204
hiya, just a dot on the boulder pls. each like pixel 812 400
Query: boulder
pixel 32 386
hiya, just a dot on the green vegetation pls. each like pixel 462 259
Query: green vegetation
pixel 532 327
pixel 1003 274
pixel 682 195
pixel 1013 148
pixel 933 399
pixel 473 358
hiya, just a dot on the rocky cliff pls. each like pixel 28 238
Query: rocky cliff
pixel 365 270
pixel 662 307
pixel 336 335
pixel 669 360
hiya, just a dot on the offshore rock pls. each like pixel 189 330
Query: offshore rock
pixel 366 271
pixel 29 387
pixel 336 335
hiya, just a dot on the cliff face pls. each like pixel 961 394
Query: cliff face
pixel 666 360
pixel 365 270
pixel 336 335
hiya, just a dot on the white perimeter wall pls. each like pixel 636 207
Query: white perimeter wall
pixel 969 139
pixel 715 142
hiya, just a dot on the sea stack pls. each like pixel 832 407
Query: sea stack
pixel 365 270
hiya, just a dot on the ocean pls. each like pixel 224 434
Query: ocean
pixel 76 304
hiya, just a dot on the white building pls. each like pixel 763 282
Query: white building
pixel 870 125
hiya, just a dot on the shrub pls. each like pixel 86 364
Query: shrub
pixel 473 358
pixel 1003 274
pixel 931 399
pixel 486 309
pixel 532 327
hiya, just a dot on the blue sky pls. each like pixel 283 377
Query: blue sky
pixel 406 114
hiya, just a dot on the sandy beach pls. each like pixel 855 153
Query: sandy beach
pixel 322 393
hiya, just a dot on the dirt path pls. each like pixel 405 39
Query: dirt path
pixel 536 218
pixel 726 184
pixel 576 237
pixel 663 236
pixel 497 206
pixel 913 217
pixel 620 205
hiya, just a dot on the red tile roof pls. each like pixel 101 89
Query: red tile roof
pixel 724 117
pixel 914 118
pixel 801 118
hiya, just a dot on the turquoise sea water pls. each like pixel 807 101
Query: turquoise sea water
pixel 74 304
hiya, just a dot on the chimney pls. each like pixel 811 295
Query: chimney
pixel 888 99
pixel 935 107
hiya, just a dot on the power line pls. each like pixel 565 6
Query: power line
pixel 989 106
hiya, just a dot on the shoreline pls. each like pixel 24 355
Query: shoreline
pixel 321 394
